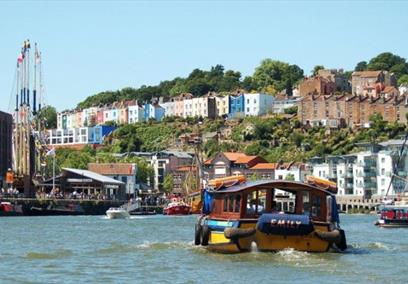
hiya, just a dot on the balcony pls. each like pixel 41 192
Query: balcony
pixel 367 174
pixel 369 184
pixel 402 173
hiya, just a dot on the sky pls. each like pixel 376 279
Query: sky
pixel 93 46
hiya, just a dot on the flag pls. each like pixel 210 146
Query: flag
pixel 51 152
pixel 37 57
pixel 20 58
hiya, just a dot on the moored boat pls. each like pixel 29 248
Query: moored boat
pixel 117 213
pixel 8 209
pixel 177 208
pixel 259 212
pixel 394 214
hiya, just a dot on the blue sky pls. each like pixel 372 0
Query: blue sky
pixel 91 46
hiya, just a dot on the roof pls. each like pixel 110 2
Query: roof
pixel 94 176
pixel 177 154
pixel 280 184
pixel 233 156
pixel 112 168
pixel 245 159
pixel 390 89
pixel 264 166
pixel 367 73
pixel 186 168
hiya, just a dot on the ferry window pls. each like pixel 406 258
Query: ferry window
pixel 225 203
pixel 251 203
pixel 237 203
pixel 261 201
pixel 306 204
pixel 231 204
pixel 316 206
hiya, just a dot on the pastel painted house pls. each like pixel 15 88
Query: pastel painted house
pixel 179 104
pixel 188 107
pixel 258 104
pixel 153 111
pixel 222 105
pixel 89 116
pixel 169 108
pixel 135 114
pixel 236 106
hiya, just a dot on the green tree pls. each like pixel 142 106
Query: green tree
pixel 278 74
pixel 168 183
pixel 48 114
pixel 361 66
pixel 316 69
pixel 403 80
pixel 389 62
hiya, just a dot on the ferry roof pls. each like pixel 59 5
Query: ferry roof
pixel 267 184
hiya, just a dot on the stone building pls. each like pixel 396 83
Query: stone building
pixel 371 82
pixel 316 85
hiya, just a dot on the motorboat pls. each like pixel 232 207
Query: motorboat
pixel 117 213
pixel 177 208
pixel 8 209
pixel 394 214
pixel 273 214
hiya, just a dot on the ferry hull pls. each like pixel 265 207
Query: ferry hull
pixel 218 242
pixel 177 210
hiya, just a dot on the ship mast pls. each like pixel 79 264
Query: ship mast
pixel 25 132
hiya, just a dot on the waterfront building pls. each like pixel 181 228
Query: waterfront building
pixel 231 163
pixel 6 122
pixel 123 111
pixel 236 106
pixel 124 172
pixel 179 104
pixel 166 162
pixel 79 137
pixel 367 173
pixel 91 184
pixel 258 104
pixel 135 114
pixel 291 171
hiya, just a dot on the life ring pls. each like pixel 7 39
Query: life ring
pixel 331 237
pixel 205 235
pixel 237 233
pixel 337 237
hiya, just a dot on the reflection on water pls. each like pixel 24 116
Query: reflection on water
pixel 160 249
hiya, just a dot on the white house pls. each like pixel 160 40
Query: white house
pixel 135 114
pixel 188 107
pixel 258 104
pixel 169 108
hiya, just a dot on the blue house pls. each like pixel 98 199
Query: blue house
pixel 97 133
pixel 153 111
pixel 236 106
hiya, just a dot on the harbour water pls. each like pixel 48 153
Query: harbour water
pixel 93 249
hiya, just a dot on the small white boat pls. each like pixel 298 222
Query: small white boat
pixel 117 213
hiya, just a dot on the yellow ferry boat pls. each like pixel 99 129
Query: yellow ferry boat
pixel 274 215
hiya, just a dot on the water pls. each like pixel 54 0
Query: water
pixel 93 249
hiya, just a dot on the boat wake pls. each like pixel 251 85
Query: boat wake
pixel 121 248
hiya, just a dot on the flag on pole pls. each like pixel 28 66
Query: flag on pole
pixel 20 58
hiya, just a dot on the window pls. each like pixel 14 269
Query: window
pixel 306 204
pixel 237 203
pixel 382 171
pixel 225 203
pixel 247 109
pixel 383 160
pixel 382 181
pixel 231 204
pixel 316 206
